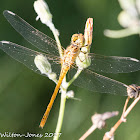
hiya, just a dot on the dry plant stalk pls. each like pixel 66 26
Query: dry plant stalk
pixel 110 134
pixel 98 121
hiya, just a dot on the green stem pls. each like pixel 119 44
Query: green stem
pixel 53 29
pixel 61 115
pixel 62 106
pixel 74 77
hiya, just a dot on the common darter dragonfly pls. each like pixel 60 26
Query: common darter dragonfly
pixel 87 79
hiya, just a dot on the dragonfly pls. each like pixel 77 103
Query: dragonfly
pixel 88 79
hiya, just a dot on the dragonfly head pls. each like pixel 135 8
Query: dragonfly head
pixel 78 40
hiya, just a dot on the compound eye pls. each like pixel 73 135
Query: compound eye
pixel 74 38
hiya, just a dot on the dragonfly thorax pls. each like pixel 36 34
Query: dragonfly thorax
pixel 70 55
pixel 72 51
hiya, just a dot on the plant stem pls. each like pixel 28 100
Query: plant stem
pixel 109 134
pixel 53 29
pixel 74 77
pixel 125 106
pixel 131 107
pixel 89 131
pixel 61 115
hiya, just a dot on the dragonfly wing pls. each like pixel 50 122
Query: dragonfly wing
pixel 32 35
pixel 113 64
pixel 27 56
pixel 99 83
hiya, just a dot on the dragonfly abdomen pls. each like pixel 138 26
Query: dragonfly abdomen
pixel 46 114
pixel 68 59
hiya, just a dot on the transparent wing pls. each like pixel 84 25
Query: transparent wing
pixel 113 64
pixel 32 35
pixel 87 79
pixel 99 83
pixel 27 56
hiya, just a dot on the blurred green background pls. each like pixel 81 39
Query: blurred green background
pixel 24 95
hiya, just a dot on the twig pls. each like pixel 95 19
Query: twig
pixel 89 131
pixel 99 121
pixel 125 106
pixel 109 134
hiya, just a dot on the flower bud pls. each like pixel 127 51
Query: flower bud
pixel 88 31
pixel 43 11
pixel 42 64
